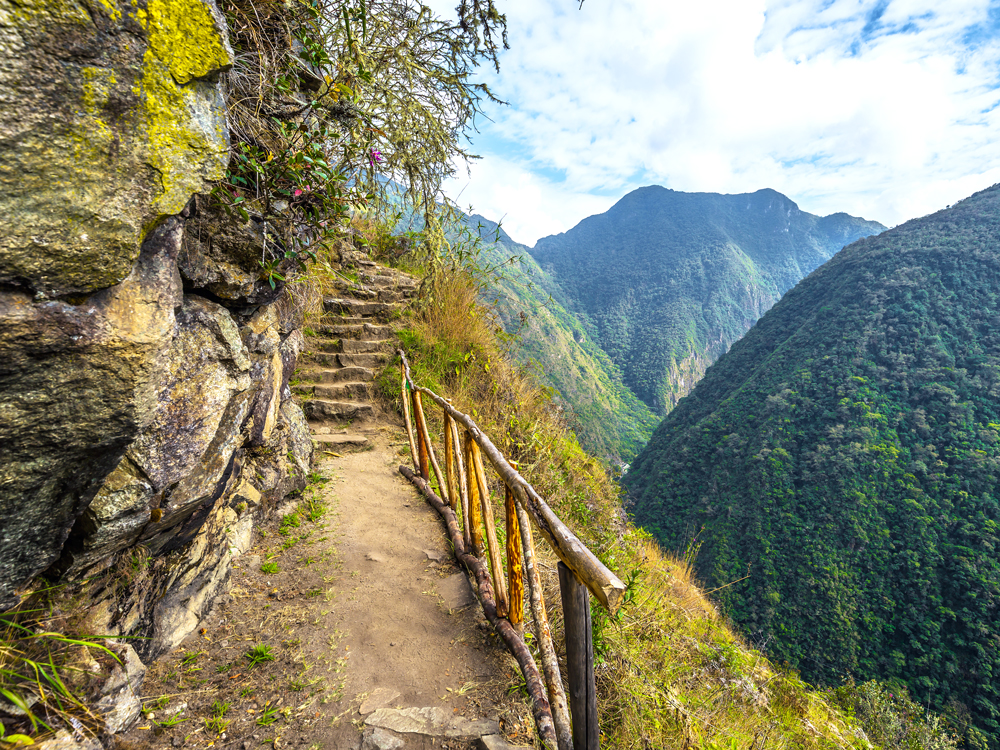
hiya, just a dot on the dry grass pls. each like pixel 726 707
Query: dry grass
pixel 671 672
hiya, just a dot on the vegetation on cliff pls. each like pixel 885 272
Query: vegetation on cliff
pixel 608 419
pixel 667 281
pixel 845 455
pixel 671 673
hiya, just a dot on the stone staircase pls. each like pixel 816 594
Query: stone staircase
pixel 354 341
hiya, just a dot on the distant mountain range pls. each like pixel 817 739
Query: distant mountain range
pixel 669 280
pixel 846 454
pixel 624 312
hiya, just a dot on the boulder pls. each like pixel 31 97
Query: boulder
pixel 112 119
pixel 78 382
pixel 207 365
pixel 222 256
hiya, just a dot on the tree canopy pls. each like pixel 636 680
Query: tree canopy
pixel 846 455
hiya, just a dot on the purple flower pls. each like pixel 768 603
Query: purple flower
pixel 375 157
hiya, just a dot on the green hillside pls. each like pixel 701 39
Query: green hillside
pixel 606 416
pixel 846 452
pixel 669 280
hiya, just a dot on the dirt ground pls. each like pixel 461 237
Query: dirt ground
pixel 349 599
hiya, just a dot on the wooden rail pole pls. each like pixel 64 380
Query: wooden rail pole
pixel 449 460
pixel 579 660
pixel 425 437
pixel 463 492
pixel 406 413
pixel 546 649
pixel 492 546
pixel 418 415
pixel 515 564
pixel 475 510
pixel 603 584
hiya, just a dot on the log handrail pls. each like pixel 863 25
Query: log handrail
pixel 521 503
pixel 603 584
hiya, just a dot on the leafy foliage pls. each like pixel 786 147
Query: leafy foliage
pixel 329 100
pixel 847 450
pixel 667 281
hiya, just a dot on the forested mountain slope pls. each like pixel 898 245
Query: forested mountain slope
pixel 847 452
pixel 669 280
pixel 608 419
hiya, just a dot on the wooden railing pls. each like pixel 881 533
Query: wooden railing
pixel 501 588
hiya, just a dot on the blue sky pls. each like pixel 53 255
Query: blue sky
pixel 885 109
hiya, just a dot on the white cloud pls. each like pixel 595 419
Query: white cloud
pixel 883 109
pixel 528 205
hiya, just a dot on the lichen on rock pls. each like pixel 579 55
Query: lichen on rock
pixel 111 122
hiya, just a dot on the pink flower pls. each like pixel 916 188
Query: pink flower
pixel 297 193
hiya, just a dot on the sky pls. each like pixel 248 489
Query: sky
pixel 885 109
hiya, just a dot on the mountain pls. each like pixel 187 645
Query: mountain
pixel 667 281
pixel 608 419
pixel 845 455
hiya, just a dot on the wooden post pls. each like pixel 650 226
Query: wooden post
pixel 515 565
pixel 425 438
pixel 474 523
pixel 579 660
pixel 546 649
pixel 418 415
pixel 463 492
pixel 406 413
pixel 449 459
pixel 492 546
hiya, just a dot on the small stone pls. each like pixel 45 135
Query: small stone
pixel 375 557
pixel 178 741
pixel 435 555
pixel 433 721
pixel 379 698
pixel 379 739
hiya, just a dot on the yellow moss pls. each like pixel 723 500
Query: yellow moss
pixel 184 44
pixel 97 86
pixel 112 9
pixel 183 35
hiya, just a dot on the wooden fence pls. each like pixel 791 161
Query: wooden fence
pixel 502 588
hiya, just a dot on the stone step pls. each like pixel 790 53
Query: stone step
pixel 367 346
pixel 354 346
pixel 372 360
pixel 354 307
pixel 339 440
pixel 432 721
pixel 346 391
pixel 335 374
pixel 357 331
pixel 334 359
pixel 319 409
pixel 329 319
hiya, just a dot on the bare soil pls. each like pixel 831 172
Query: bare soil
pixel 363 605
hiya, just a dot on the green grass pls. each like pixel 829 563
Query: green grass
pixel 259 654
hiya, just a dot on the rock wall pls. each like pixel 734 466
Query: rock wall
pixel 145 414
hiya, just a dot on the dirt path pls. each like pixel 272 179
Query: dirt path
pixel 366 610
